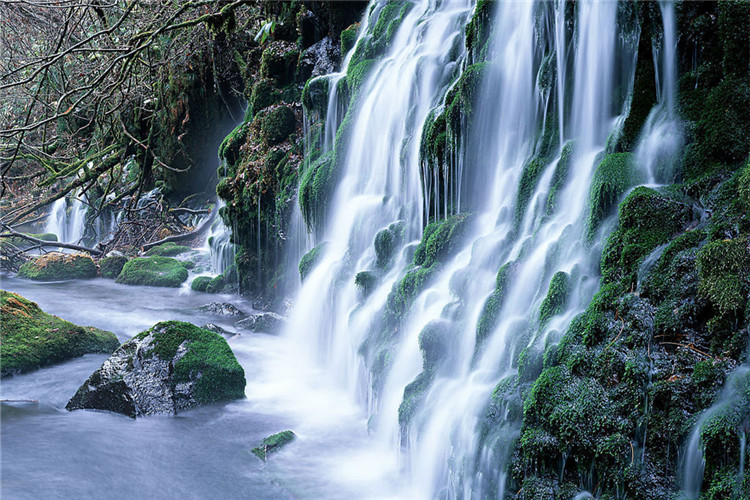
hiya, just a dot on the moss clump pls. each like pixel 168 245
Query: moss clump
pixel 557 297
pixel 349 38
pixel 263 95
pixel 310 260
pixel 272 444
pixel 440 240
pixel 559 178
pixel 532 171
pixel 217 284
pixel 315 96
pixel 59 266
pixel 387 241
pixel 613 176
pixel 32 338
pixel 492 306
pixel 279 62
pixel 315 186
pixel 724 271
pixel 169 249
pixel 208 363
pixel 153 271
pixel 365 281
pixel 276 125
pixel 110 267
pixel 200 284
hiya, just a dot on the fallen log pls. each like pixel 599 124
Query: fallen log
pixel 185 236
pixel 57 244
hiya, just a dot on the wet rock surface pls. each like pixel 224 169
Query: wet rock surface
pixel 168 368
pixel 221 309
pixel 267 322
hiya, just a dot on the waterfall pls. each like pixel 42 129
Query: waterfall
pixel 528 193
pixel 661 138
pixel 68 223
pixel 220 246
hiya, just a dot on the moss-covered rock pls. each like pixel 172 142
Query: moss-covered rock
pixel 111 266
pixel 200 283
pixel 32 338
pixel 59 266
pixel 276 125
pixel 310 260
pixel 366 282
pixel 171 367
pixel 153 271
pixel 169 249
pixel 613 176
pixel 272 444
pixel 557 297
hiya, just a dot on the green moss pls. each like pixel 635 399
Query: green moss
pixel 348 38
pixel 492 306
pixel 356 76
pixel 272 444
pixel 110 267
pixel 209 362
pixel 217 284
pixel 414 394
pixel 229 149
pixel 440 240
pixel 188 264
pixel 613 176
pixel 168 249
pixel 387 241
pixel 724 270
pixel 200 284
pixel 557 297
pixel 153 271
pixel 532 171
pixel 279 62
pixel 32 338
pixel 58 266
pixel 263 95
pixel 366 282
pixel 310 260
pixel 479 28
pixel 315 96
pixel 316 184
pixel 277 125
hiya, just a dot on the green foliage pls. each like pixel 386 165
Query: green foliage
pixel 110 267
pixel 263 95
pixel 153 271
pixel 32 338
pixel 366 282
pixel 479 28
pixel 440 240
pixel 493 305
pixel 216 285
pixel 387 241
pixel 315 96
pixel 348 38
pixel 58 266
pixel 169 249
pixel 315 187
pixel 559 178
pixel 272 444
pixel 208 362
pixel 613 176
pixel 310 260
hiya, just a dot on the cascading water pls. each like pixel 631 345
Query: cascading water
pixel 529 195
pixel 68 223
pixel 219 244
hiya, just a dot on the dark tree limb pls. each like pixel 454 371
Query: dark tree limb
pixel 57 244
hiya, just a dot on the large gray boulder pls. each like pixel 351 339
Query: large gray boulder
pixel 170 367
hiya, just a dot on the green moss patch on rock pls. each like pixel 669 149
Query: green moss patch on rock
pixel 171 367
pixel 59 266
pixel 111 266
pixel 153 271
pixel 308 261
pixel 272 444
pixel 32 338
pixel 200 283
pixel 169 249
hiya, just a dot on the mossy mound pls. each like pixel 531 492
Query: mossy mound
pixel 153 271
pixel 110 267
pixel 169 249
pixel 59 266
pixel 200 283
pixel 308 261
pixel 32 338
pixel 170 367
pixel 272 444
pixel 613 176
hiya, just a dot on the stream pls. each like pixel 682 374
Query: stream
pixel 48 452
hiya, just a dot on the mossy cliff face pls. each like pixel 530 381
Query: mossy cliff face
pixel 32 338
pixel 168 368
pixel 262 158
pixel 59 266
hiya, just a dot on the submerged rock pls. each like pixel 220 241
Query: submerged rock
pixel 217 329
pixel 170 367
pixel 266 322
pixel 273 443
pixel 57 266
pixel 153 271
pixel 32 338
pixel 221 309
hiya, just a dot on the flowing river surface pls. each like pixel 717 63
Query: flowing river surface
pixel 48 452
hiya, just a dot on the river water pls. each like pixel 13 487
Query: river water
pixel 48 452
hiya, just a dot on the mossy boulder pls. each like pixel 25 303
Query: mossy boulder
pixel 276 125
pixel 200 283
pixel 153 271
pixel 272 444
pixel 59 266
pixel 308 261
pixel 613 176
pixel 169 249
pixel 171 367
pixel 32 338
pixel 111 266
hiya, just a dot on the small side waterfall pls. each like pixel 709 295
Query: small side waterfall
pixel 67 219
pixel 219 244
